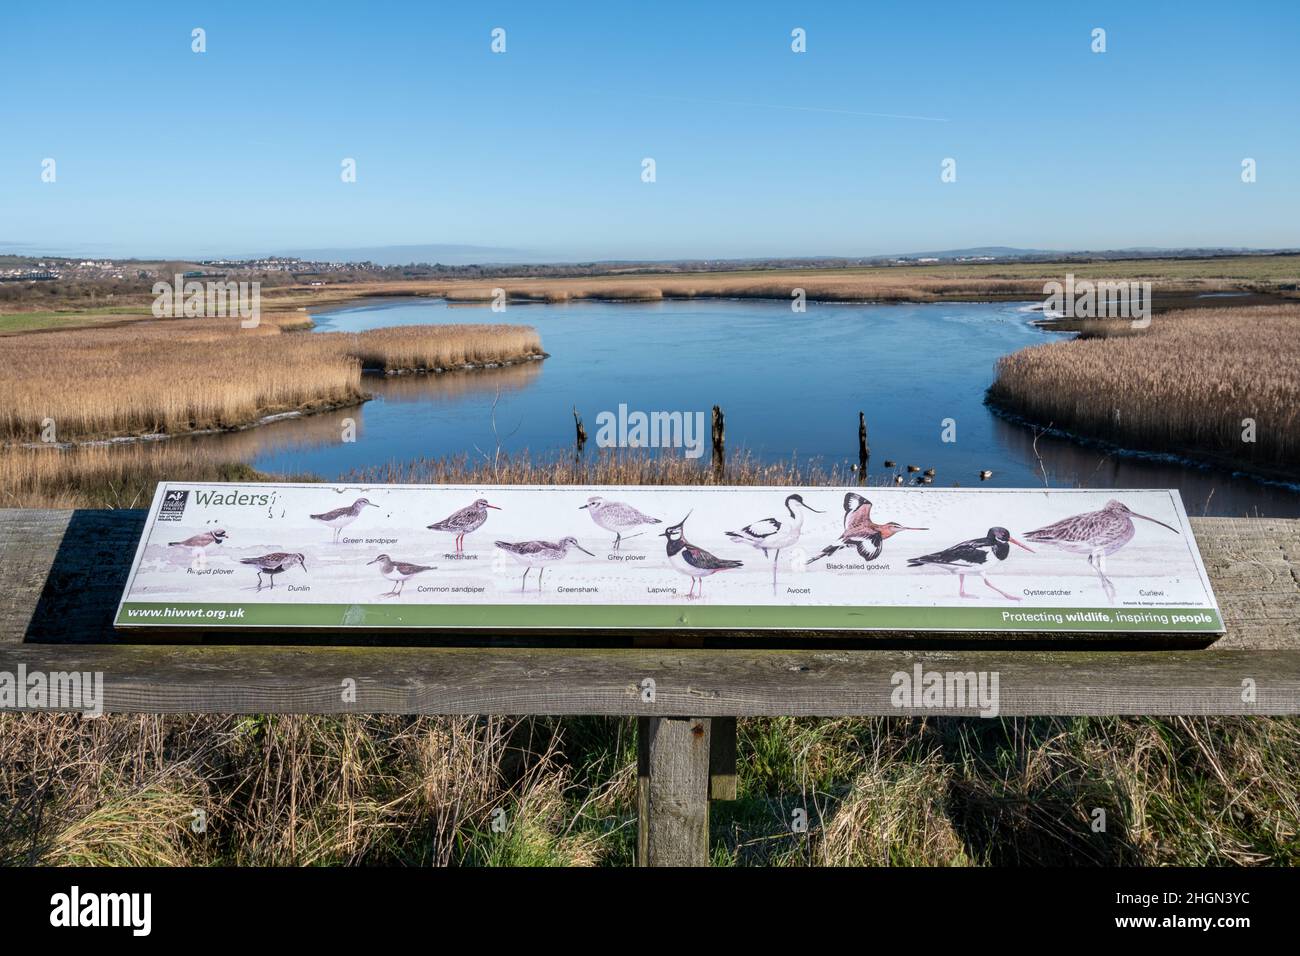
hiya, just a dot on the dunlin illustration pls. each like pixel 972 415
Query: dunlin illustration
pixel 399 572
pixel 773 534
pixel 970 557
pixel 695 562
pixel 277 562
pixel 1098 534
pixel 538 554
pixel 340 518
pixel 616 516
pixel 462 522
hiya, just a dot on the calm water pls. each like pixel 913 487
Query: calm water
pixel 789 385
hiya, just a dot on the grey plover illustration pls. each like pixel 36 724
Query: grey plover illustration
pixel 971 557
pixel 773 534
pixel 200 543
pixel 616 516
pixel 690 560
pixel 860 532
pixel 1098 534
pixel 462 522
pixel 340 518
pixel 399 572
pixel 538 554
pixel 277 562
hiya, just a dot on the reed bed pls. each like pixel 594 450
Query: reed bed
pixel 177 376
pixel 1186 385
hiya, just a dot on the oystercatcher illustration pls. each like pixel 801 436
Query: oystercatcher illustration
pixel 970 557
pixel 340 518
pixel 690 560
pixel 616 516
pixel 399 572
pixel 200 543
pixel 773 534
pixel 462 522
pixel 1098 534
pixel 538 554
pixel 277 562
pixel 860 532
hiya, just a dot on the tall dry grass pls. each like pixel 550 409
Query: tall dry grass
pixel 1185 385
pixel 176 376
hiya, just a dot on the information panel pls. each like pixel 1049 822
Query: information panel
pixel 515 557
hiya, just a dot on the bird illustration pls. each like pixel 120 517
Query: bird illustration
pixel 690 560
pixel 860 532
pixel 1098 534
pixel 616 516
pixel 340 518
pixel 399 572
pixel 462 522
pixel 274 563
pixel 773 534
pixel 538 554
pixel 200 543
pixel 970 557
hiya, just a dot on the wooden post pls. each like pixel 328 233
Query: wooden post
pixel 673 791
pixel 719 441
pixel 581 432
pixel 722 759
pixel 864 451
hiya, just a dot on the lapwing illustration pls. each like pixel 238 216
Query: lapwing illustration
pixel 277 562
pixel 970 557
pixel 399 572
pixel 860 532
pixel 695 562
pixel 774 534
pixel 538 554
pixel 462 522
pixel 616 516
pixel 340 518
pixel 200 543
pixel 1098 534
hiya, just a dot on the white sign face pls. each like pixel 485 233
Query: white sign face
pixel 515 557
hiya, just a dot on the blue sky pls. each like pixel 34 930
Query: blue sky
pixel 759 151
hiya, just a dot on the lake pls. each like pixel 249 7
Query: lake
pixel 790 385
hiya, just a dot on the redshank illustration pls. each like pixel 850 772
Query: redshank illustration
pixel 773 534
pixel 1098 534
pixel 462 522
pixel 690 560
pixel 277 562
pixel 340 518
pixel 538 554
pixel 616 516
pixel 860 532
pixel 399 572
pixel 970 557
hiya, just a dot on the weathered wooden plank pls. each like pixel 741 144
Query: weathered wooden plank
pixel 673 791
pixel 706 683
pixel 722 759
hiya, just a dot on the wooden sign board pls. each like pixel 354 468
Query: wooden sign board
pixel 508 558
pixel 596 558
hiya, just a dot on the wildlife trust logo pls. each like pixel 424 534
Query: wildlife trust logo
pixel 208 300
pixel 624 429
pixel 173 505
pixel 1099 300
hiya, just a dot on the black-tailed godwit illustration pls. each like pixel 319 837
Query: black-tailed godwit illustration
pixel 340 518
pixel 695 562
pixel 277 562
pixel 860 532
pixel 773 534
pixel 1098 534
pixel 616 516
pixel 538 554
pixel 462 522
pixel 399 572
pixel 970 557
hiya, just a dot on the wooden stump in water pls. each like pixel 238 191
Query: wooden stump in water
pixel 580 431
pixel 864 451
pixel 719 441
